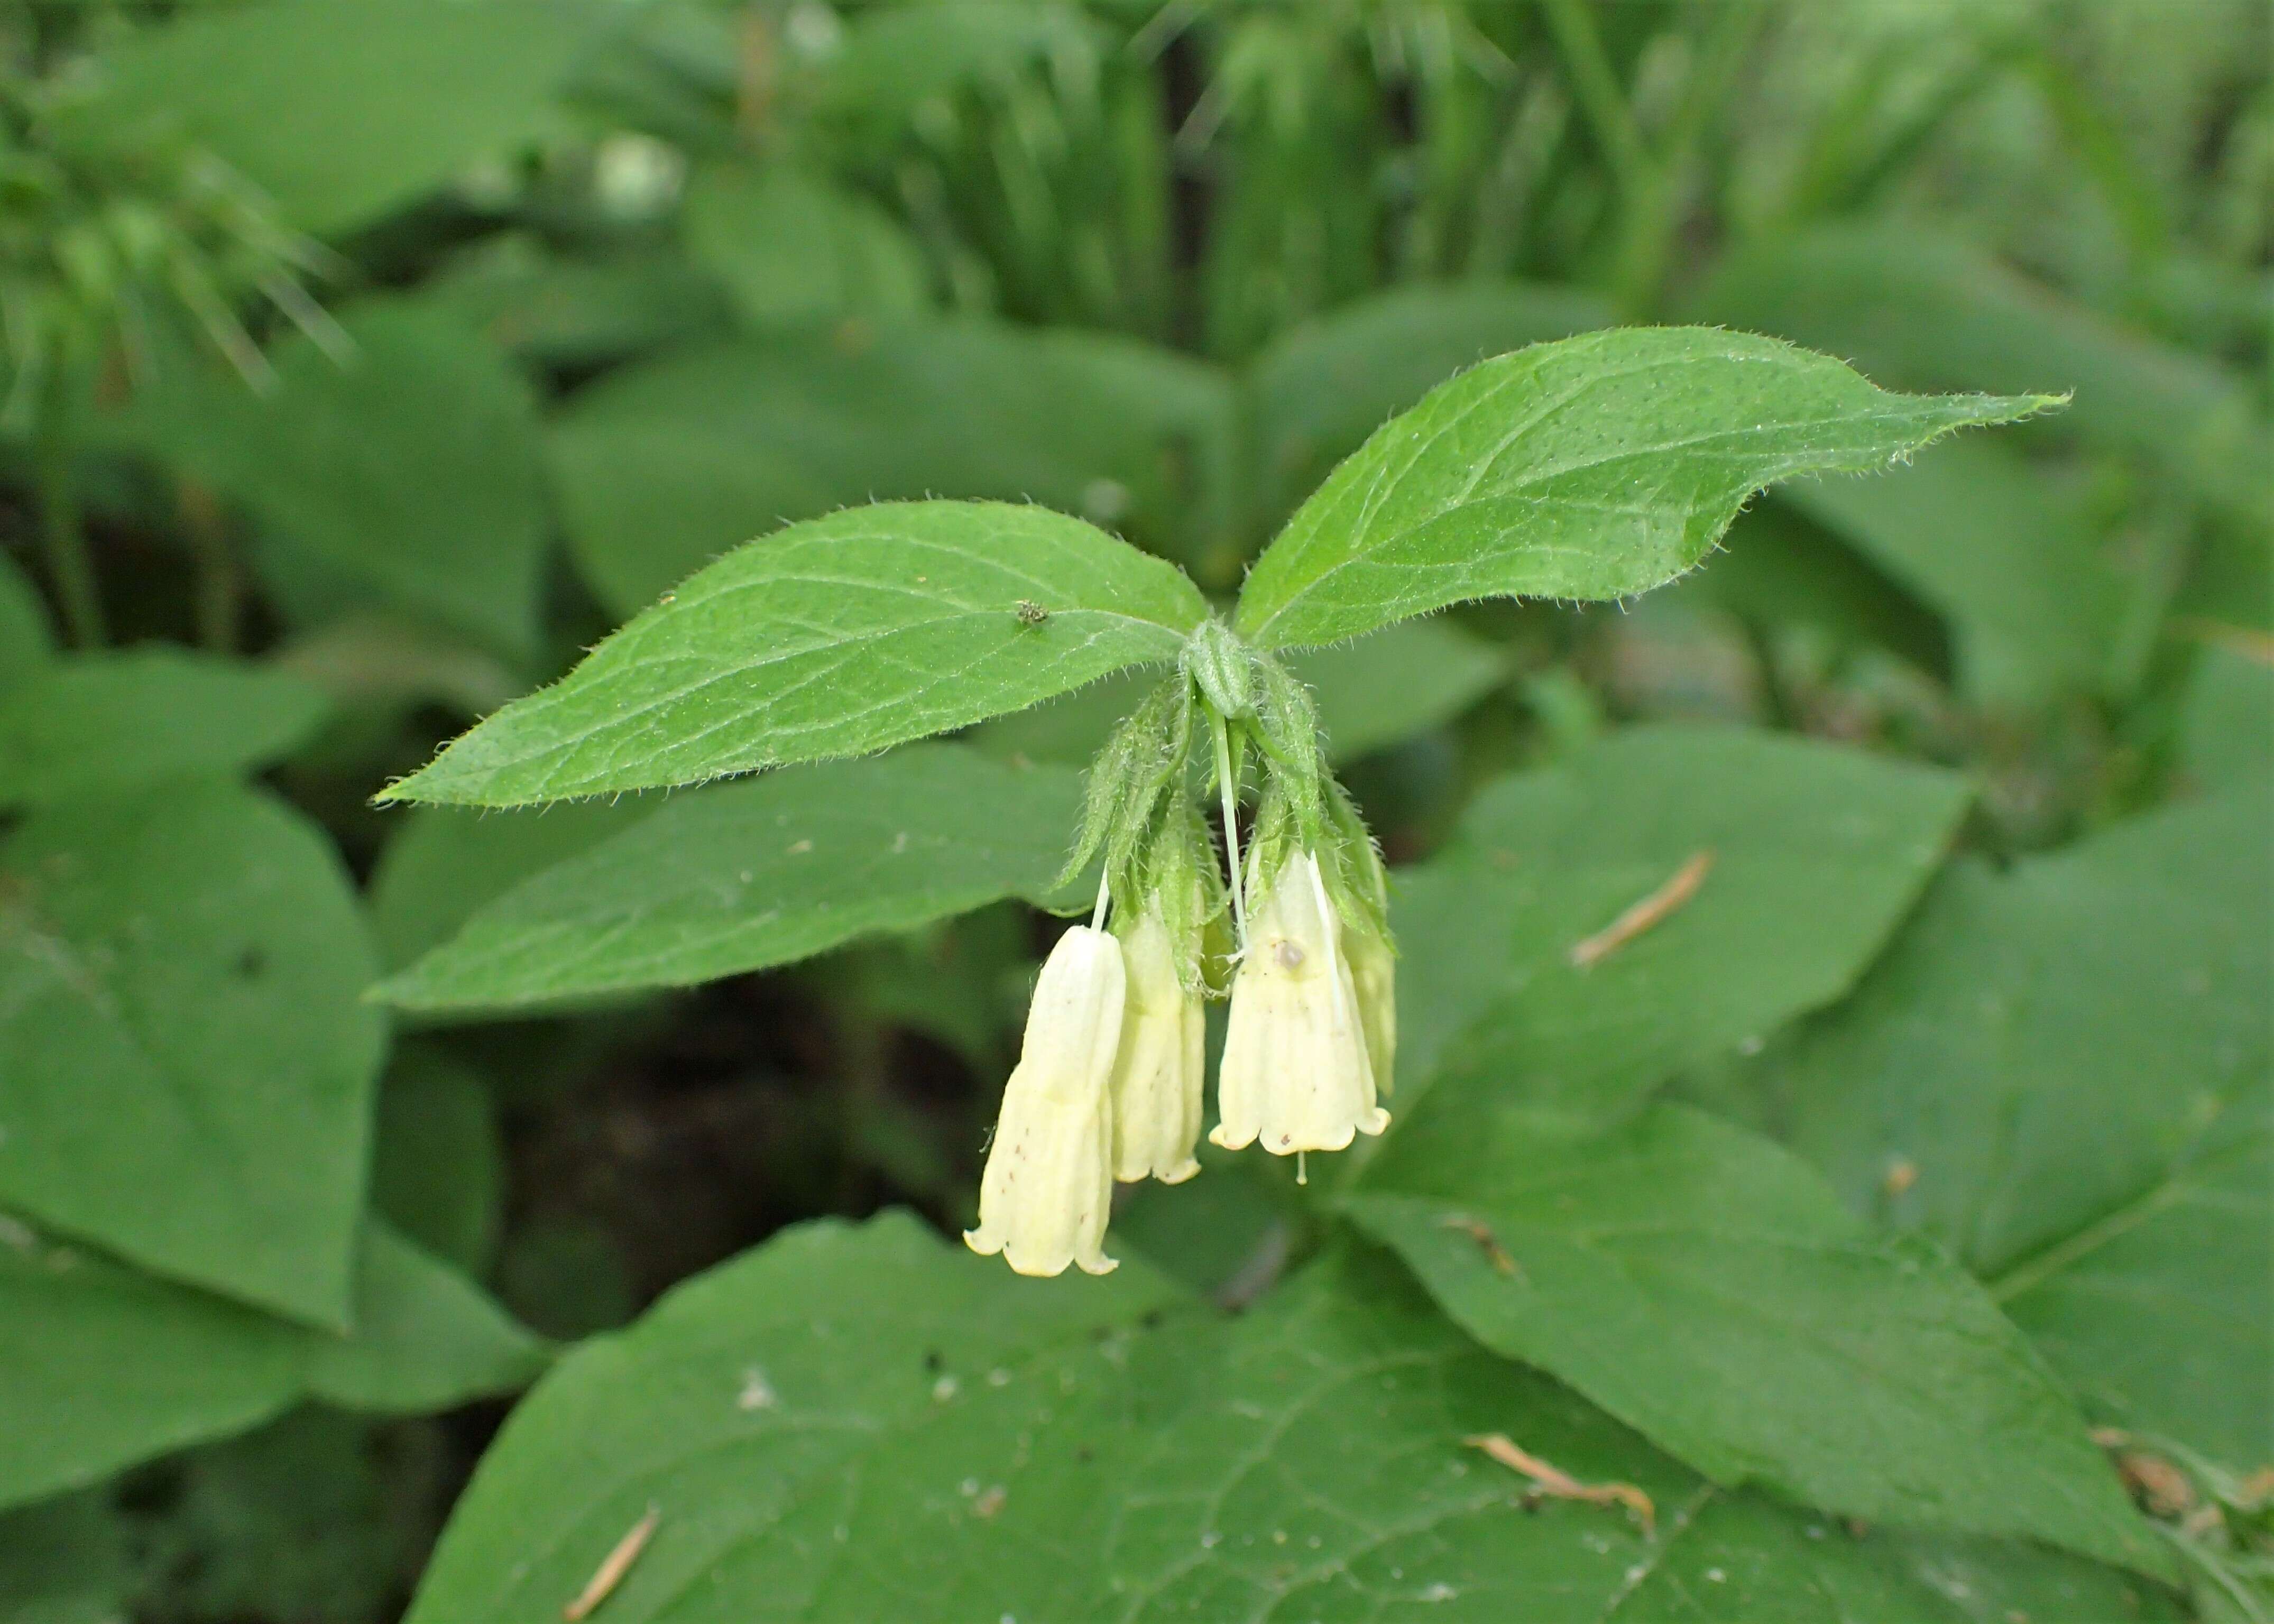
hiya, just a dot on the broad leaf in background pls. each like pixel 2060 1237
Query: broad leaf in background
pixel 738 1401
pixel 1319 391
pixel 409 469
pixel 1815 853
pixel 437 1161
pixel 946 1442
pixel 1781 572
pixel 1404 679
pixel 740 876
pixel 107 1365
pixel 343 112
pixel 789 247
pixel 2059 1071
pixel 1708 1288
pixel 186 1062
pixel 97 722
pixel 1744 1560
pixel 1930 312
pixel 2158 1314
pixel 833 637
pixel 64 1562
pixel 1593 468
pixel 550 311
pixel 442 864
pixel 426 1337
pixel 1378 690
pixel 2226 722
pixel 666 466
pixel 25 643
pixel 2033 603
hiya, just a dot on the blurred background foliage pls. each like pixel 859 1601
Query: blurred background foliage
pixel 394 352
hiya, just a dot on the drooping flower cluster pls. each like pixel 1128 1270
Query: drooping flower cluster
pixel 1110 1082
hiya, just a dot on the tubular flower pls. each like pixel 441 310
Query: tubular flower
pixel 1049 1184
pixel 1374 976
pixel 1296 1072
pixel 1158 1074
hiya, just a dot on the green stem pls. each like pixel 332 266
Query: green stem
pixel 1602 103
pixel 62 532
pixel 1654 212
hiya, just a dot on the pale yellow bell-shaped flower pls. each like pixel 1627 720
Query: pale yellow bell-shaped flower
pixel 1048 1189
pixel 1374 976
pixel 1296 1073
pixel 1158 1073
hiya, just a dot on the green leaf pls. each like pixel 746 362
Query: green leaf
pixel 1743 1561
pixel 742 876
pixel 665 466
pixel 1593 468
pixel 1321 389
pixel 444 864
pixel 2227 720
pixel 1930 312
pixel 1709 1289
pixel 2032 601
pixel 741 1402
pixel 942 1440
pixel 2157 1313
pixel 409 469
pixel 2058 1072
pixel 1780 572
pixel 565 314
pixel 109 1366
pixel 437 1163
pixel 65 1562
pixel 25 643
pixel 426 1337
pixel 185 1062
pixel 790 247
pixel 1816 853
pixel 833 637
pixel 342 112
pixel 104 723
pixel 308 1517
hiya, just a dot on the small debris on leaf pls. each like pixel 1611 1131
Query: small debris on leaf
pixel 2161 1488
pixel 1487 1242
pixel 613 1567
pixel 1557 1483
pixel 1650 911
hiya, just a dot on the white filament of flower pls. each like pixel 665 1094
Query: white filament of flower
pixel 1231 825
